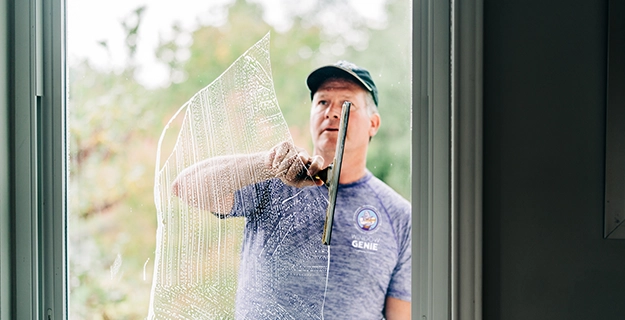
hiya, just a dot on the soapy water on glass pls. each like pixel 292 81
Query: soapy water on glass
pixel 197 253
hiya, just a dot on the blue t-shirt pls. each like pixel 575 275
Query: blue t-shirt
pixel 284 266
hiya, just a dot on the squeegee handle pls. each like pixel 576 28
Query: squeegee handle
pixel 335 173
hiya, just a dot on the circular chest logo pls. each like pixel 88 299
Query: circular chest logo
pixel 367 219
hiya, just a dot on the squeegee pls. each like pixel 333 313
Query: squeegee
pixel 334 172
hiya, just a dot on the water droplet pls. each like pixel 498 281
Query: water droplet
pixel 116 265
pixel 144 266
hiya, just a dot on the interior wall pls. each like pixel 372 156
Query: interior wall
pixel 544 125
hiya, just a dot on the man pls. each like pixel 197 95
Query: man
pixel 285 272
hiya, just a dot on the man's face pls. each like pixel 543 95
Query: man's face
pixel 325 117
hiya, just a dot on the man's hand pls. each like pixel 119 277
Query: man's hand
pixel 294 166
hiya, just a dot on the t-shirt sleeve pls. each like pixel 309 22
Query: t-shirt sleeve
pixel 251 200
pixel 401 280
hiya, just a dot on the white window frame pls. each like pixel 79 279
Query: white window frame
pixel 446 160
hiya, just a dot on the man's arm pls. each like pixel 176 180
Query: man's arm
pixel 396 309
pixel 211 184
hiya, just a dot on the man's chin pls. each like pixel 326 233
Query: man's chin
pixel 327 145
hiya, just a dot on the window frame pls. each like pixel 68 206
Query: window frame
pixel 446 161
pixel 37 162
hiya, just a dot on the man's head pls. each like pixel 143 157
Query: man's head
pixel 348 71
pixel 332 85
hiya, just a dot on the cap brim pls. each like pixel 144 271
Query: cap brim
pixel 317 77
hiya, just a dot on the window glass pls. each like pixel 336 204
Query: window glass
pixel 133 64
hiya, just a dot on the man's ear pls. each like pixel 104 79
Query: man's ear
pixel 375 124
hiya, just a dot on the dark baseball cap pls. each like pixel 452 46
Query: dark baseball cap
pixel 342 69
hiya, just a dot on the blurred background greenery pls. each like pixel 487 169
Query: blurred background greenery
pixel 114 123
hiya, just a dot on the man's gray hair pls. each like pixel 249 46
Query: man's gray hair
pixel 372 108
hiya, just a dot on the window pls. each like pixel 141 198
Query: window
pixel 39 175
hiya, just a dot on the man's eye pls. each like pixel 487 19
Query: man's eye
pixel 323 102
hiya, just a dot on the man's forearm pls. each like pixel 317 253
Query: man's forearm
pixel 211 184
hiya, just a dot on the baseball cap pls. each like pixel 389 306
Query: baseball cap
pixel 342 69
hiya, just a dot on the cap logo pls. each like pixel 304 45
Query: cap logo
pixel 346 65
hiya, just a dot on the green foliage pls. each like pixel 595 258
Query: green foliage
pixel 114 124
pixel 111 168
pixel 389 55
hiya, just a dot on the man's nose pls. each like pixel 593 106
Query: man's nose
pixel 334 110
